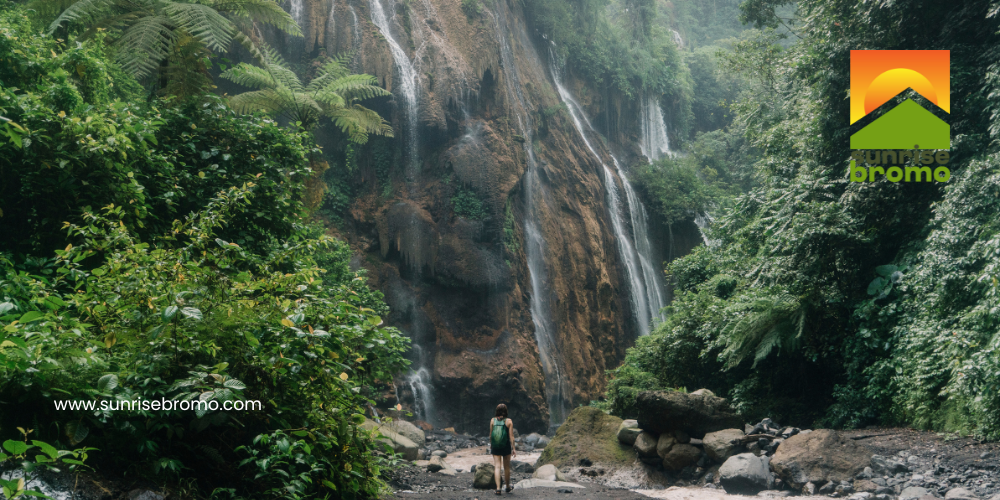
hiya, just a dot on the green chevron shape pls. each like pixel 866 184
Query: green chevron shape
pixel 903 127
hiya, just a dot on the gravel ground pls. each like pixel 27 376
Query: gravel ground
pixel 937 462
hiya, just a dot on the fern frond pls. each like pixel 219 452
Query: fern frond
pixel 358 122
pixel 144 44
pixel 202 21
pixel 250 47
pixel 332 70
pixel 83 11
pixel 263 11
pixel 249 75
pixel 266 100
pixel 46 8
pixel 355 87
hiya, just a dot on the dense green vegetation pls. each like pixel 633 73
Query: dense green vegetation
pixel 159 249
pixel 826 302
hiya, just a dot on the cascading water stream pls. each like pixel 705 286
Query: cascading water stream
pixel 637 254
pixel 653 142
pixel 295 9
pixel 407 81
pixel 556 388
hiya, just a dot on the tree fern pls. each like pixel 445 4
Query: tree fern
pixel 761 324
pixel 202 21
pixel 145 32
pixel 333 93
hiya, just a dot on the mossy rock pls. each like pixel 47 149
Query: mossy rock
pixel 590 434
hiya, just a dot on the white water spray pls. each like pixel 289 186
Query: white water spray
pixel 295 9
pixel 646 290
pixel 407 79
pixel 654 142
pixel 557 390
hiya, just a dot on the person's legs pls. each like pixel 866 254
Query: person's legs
pixel 497 460
pixel 506 470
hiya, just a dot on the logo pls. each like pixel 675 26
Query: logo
pixel 878 76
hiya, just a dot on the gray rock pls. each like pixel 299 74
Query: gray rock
pixel 719 444
pixel 864 495
pixel 645 444
pixel 818 457
pixel 681 456
pixel 960 494
pixel 628 431
pixel 882 496
pixel 483 478
pixel 406 429
pixel 544 483
pixel 913 493
pixel 664 443
pixel 436 464
pixel 542 442
pixel 439 453
pixel 531 438
pixel 809 489
pixel 913 459
pixel 867 473
pixel 548 472
pixel 745 474
pixel 883 466
pixel 144 495
pixel 522 467
pixel 703 392
pixel 827 488
pixel 682 437
pixel 696 413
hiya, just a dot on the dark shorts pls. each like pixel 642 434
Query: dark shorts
pixel 502 451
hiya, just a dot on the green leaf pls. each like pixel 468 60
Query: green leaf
pixel 76 432
pixel 192 312
pixel 234 384
pixel 886 270
pixel 107 383
pixel 5 306
pixel 15 447
pixel 169 313
pixel 875 286
pixel 250 338
pixel 31 316
pixel 47 448
pixel 99 271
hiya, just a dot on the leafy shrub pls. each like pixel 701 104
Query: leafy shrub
pixel 467 204
pixel 199 317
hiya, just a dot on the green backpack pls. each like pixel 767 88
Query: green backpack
pixel 499 438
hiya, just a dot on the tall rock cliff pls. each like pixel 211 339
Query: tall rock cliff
pixel 528 302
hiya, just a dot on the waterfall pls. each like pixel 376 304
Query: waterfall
pixel 556 387
pixel 703 220
pixel 644 281
pixel 407 80
pixel 653 142
pixel 295 9
pixel 331 24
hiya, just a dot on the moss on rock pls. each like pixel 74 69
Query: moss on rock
pixel 590 434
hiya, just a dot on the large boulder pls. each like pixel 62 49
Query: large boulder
pixel 645 444
pixel 960 494
pixel 719 444
pixel 913 493
pixel 407 430
pixel 818 457
pixel 548 472
pixel 695 414
pixel 483 478
pixel 399 443
pixel 664 443
pixel 628 431
pixel 587 434
pixel 745 474
pixel 883 466
pixel 681 456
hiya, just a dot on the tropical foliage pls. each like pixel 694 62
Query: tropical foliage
pixel 333 93
pixel 827 302
pixel 159 249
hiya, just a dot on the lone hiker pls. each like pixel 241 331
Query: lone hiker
pixel 502 445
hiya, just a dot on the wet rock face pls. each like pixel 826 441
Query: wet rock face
pixel 695 414
pixel 459 285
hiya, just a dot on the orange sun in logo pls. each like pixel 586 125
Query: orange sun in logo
pixel 879 75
